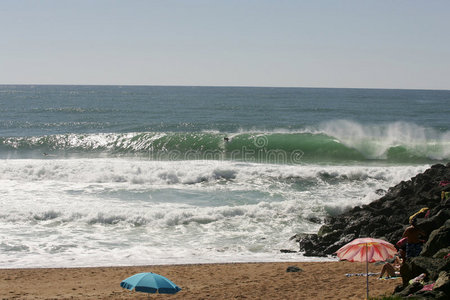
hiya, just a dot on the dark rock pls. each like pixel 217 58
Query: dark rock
pixel 373 225
pixel 442 253
pixel 308 244
pixel 288 251
pixel 341 242
pixel 401 189
pixel 297 237
pixel 439 238
pixel 314 220
pixel 443 283
pixel 435 221
pixel 429 295
pixel 293 269
pixel 380 192
pixel 324 229
pixel 445 266
pixel 410 289
pixel 438 295
pixel 399 288
pixel 396 234
pixel 355 209
pixel 331 236
pixel 418 265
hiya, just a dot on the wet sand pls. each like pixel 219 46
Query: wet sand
pixel 318 280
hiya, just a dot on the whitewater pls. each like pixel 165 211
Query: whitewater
pixel 108 176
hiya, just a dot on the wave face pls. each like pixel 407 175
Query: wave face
pixel 337 141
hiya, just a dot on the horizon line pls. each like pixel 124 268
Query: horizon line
pixel 219 86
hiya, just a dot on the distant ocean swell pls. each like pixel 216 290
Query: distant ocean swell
pixel 271 147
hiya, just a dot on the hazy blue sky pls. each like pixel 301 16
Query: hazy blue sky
pixel 380 44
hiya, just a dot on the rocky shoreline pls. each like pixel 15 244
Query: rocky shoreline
pixel 387 218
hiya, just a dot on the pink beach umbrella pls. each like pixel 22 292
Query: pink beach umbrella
pixel 367 250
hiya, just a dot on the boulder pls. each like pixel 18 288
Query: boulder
pixel 428 265
pixel 293 269
pixel 288 251
pixel 437 219
pixel 442 253
pixel 443 283
pixel 410 289
pixel 438 239
pixel 338 244
pixel 435 295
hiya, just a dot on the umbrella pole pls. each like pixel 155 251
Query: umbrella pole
pixel 367 272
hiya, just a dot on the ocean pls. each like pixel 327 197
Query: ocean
pixel 139 175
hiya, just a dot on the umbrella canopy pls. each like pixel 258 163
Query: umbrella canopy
pixel 367 250
pixel 150 283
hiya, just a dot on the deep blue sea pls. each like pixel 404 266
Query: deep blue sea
pixel 131 175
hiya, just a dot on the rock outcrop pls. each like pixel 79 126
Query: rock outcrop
pixel 387 218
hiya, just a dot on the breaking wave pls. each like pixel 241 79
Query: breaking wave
pixel 337 141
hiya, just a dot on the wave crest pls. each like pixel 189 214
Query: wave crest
pixel 333 141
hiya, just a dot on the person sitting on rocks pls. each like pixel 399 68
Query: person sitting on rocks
pixel 414 244
pixel 392 269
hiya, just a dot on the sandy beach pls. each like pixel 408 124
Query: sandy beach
pixel 317 280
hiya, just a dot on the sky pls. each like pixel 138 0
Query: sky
pixel 337 43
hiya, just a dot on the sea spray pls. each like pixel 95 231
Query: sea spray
pixel 398 141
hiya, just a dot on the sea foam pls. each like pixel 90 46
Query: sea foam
pixel 92 211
